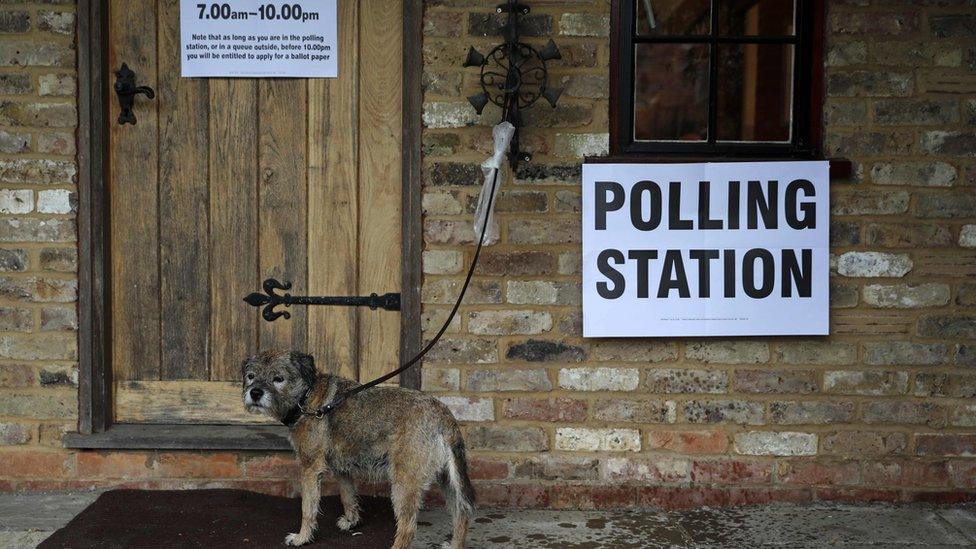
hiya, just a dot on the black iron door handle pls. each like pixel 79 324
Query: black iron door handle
pixel 126 89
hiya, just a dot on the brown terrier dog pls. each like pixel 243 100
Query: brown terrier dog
pixel 386 433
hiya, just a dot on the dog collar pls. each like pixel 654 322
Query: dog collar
pixel 296 412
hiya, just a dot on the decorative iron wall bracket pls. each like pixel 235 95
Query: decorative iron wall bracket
pixel 269 299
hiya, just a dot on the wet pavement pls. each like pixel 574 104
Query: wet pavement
pixel 26 519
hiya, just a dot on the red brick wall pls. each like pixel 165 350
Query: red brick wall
pixel 882 409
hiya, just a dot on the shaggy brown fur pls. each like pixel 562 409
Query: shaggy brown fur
pixel 386 433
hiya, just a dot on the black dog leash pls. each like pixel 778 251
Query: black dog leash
pixel 341 397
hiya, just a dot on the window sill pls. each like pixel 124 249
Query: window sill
pixel 840 168
pixel 130 436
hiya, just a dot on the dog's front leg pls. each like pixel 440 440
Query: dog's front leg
pixel 350 506
pixel 311 492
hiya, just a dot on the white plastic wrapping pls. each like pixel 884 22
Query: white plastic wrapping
pixel 502 134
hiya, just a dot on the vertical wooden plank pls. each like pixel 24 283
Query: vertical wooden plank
pixel 133 189
pixel 283 200
pixel 380 127
pixel 411 231
pixel 233 223
pixel 184 251
pixel 333 137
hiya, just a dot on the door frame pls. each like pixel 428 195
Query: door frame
pixel 96 428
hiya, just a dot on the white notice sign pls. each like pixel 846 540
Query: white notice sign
pixel 255 38
pixel 719 249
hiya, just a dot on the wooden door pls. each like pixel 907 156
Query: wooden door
pixel 225 182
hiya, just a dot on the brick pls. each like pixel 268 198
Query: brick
pixel 685 381
pixel 194 465
pixel 907 235
pixel 689 442
pixel 441 114
pixel 439 379
pixel 564 115
pixel 843 295
pixel 810 412
pixel 440 23
pixel 947 326
pixel 494 262
pixel 723 411
pixel 597 440
pixel 894 412
pixel 775 381
pixel 469 408
pixel 470 351
pixel 950 143
pixel 728 352
pixel 58 376
pixel 487 469
pixel 15 433
pixel 57 85
pixel 122 465
pixel 906 473
pixel 53 115
pixel 533 173
pixel 945 445
pixel 590 86
pixel 539 350
pixel 15 84
pixel 925 174
pixel 905 353
pixel 869 202
pixel 873 83
pixel 819 473
pixel 15 53
pixel 584 24
pixel 441 174
pixel 599 379
pixel 36 230
pixel 544 231
pixel 541 292
pixel 56 143
pixel 510 322
pixel 890 23
pixel 14 319
pixel 874 264
pixel 442 261
pixel 916 111
pixel 58 22
pixel 966 294
pixel 14 142
pixel 507 380
pixel 873 383
pixel 445 292
pixel 16 201
pixel 945 385
pixel 870 143
pixel 578 145
pixel 491 24
pixel 783 443
pixel 946 205
pixel 863 443
pixel 34 464
pixel 845 233
pixel 963 416
pixel 506 438
pixel 907 53
pixel 817 352
pixel 731 471
pixel 843 54
pixel 49 405
pixel 13 260
pixel 634 411
pixel 965 355
pixel 559 467
pixel 633 351
pixel 644 470
pixel 27 347
pixel 956 25
pixel 906 296
pixel 14 21
pixel 587 497
pixel 57 201
pixel 59 259
pixel 967 236
pixel 546 409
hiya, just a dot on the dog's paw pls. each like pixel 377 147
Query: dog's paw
pixel 297 539
pixel 345 523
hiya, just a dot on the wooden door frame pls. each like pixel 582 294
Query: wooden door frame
pixel 96 428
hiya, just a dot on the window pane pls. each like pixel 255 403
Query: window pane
pixel 755 17
pixel 671 92
pixel 672 17
pixel 755 92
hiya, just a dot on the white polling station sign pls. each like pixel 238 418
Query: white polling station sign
pixel 259 38
pixel 710 249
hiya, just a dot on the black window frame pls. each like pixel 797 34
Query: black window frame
pixel 806 139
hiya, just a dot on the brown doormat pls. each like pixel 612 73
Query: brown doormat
pixel 216 518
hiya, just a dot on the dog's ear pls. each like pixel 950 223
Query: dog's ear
pixel 305 366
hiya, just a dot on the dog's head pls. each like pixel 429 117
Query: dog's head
pixel 274 381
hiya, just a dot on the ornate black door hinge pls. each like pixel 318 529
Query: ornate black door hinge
pixel 269 299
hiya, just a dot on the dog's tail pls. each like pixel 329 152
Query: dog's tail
pixel 457 474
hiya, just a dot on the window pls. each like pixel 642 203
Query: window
pixel 717 77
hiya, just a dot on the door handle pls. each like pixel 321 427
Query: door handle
pixel 126 89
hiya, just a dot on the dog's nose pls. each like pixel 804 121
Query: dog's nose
pixel 256 394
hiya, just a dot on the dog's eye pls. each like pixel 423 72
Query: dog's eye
pixel 279 379
pixel 249 377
